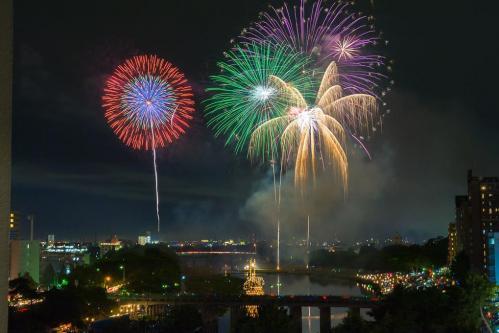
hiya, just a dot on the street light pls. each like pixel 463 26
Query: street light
pixel 122 267
pixel 107 279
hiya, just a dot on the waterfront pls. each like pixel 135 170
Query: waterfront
pixel 302 284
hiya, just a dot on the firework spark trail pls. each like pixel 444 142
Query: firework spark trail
pixel 156 186
pixel 278 243
pixel 278 285
pixel 277 213
pixel 155 174
pixel 308 240
pixel 363 146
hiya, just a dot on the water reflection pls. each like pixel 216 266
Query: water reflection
pixel 301 284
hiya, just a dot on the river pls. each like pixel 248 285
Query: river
pixel 301 284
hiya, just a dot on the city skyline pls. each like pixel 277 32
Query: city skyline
pixel 253 166
pixel 77 178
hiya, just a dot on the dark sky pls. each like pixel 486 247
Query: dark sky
pixel 81 182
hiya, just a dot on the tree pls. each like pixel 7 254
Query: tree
pixel 432 310
pixel 436 250
pixel 409 310
pixel 353 323
pixel 270 319
pixel 149 269
pixel 184 319
pixel 468 299
pixel 86 276
pixel 401 258
pixel 23 285
pixel 49 276
pixel 460 267
pixel 215 285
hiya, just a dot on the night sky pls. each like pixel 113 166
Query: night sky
pixel 81 182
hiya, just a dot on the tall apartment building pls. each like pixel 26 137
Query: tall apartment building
pixel 452 247
pixel 24 258
pixel 20 226
pixel 477 215
pixel 493 259
pixel 14 225
pixel 144 239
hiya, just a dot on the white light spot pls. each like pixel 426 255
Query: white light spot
pixel 262 93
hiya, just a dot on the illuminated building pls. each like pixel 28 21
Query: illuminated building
pixel 6 61
pixel 113 244
pixel 20 226
pixel 93 253
pixel 63 257
pixel 24 258
pixel 477 215
pixel 463 222
pixel 14 225
pixel 452 246
pixel 51 239
pixel 395 239
pixel 144 239
pixel 493 251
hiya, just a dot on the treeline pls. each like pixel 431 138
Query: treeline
pixel 69 304
pixel 400 258
pixel 454 309
pixel 78 297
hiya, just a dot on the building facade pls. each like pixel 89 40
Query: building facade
pixel 25 258
pixel 452 247
pixel 64 256
pixel 477 216
pixel 463 223
pixel 113 244
pixel 14 225
pixel 493 252
pixel 144 239
pixel 20 226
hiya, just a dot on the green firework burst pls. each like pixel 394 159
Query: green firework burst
pixel 243 96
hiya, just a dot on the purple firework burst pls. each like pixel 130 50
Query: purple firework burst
pixel 328 33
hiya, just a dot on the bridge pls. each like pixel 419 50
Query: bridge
pixel 155 306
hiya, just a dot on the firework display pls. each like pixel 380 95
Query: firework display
pixel 327 33
pixel 309 134
pixel 148 102
pixel 244 95
pixel 266 98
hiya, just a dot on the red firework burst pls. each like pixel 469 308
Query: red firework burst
pixel 148 102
